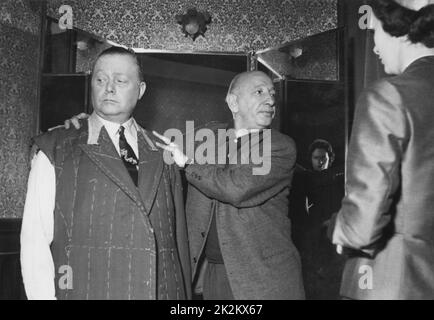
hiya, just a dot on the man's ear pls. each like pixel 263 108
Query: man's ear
pixel 232 102
pixel 142 89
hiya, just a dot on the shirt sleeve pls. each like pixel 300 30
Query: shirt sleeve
pixel 37 231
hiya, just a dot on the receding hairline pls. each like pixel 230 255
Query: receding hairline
pixel 240 78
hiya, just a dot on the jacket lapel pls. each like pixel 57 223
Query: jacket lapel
pixel 106 158
pixel 150 168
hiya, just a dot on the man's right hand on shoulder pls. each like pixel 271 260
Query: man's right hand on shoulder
pixel 75 121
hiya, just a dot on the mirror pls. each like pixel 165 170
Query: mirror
pixel 314 107
pixel 314 97
pixel 316 57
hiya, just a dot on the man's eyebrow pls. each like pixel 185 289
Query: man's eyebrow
pixel 261 85
pixel 116 73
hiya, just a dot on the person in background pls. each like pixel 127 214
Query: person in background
pixel 321 154
pixel 319 192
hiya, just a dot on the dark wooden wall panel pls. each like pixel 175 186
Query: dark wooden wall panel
pixel 11 285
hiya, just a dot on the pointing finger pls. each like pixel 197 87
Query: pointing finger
pixel 163 146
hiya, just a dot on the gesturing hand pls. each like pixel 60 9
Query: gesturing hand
pixel 180 158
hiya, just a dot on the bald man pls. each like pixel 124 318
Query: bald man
pixel 239 231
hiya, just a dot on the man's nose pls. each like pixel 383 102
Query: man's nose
pixel 375 50
pixel 271 99
pixel 110 87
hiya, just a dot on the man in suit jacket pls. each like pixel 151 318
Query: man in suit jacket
pixel 387 215
pixel 239 231
pixel 106 203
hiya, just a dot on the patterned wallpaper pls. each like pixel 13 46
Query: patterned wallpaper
pixel 20 14
pixel 19 29
pixel 237 25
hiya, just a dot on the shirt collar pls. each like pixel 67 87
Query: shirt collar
pixel 95 123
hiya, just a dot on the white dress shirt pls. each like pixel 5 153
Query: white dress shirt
pixel 37 229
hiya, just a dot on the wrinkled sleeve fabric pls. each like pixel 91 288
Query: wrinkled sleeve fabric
pixel 37 230
pixel 377 145
pixel 238 186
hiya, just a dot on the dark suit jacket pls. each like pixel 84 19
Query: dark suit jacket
pixel 388 211
pixel 251 216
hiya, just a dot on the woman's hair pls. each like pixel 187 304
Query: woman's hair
pixel 398 21
pixel 322 144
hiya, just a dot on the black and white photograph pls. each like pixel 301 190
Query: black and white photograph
pixel 216 154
